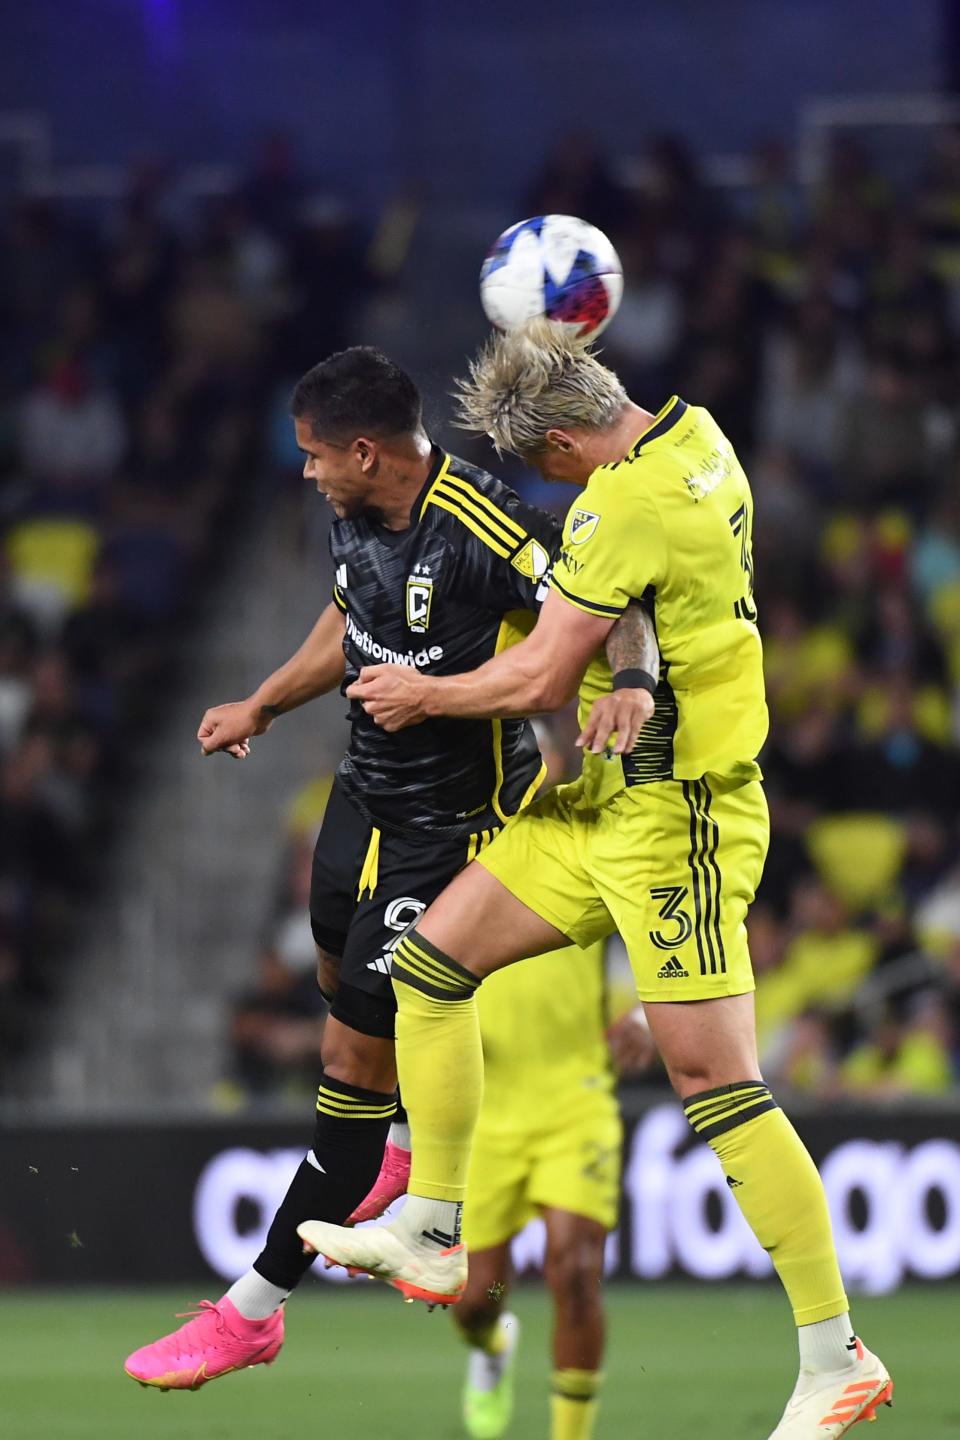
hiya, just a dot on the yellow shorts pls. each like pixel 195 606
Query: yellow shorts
pixel 571 1163
pixel 672 865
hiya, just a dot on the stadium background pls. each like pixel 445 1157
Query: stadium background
pixel 198 201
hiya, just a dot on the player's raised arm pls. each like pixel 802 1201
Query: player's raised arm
pixel 539 674
pixel 316 668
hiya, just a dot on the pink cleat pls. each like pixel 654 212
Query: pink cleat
pixel 389 1185
pixel 215 1341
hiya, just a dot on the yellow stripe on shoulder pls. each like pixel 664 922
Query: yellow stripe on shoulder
pixel 498 546
pixel 488 519
pixel 475 510
pixel 439 480
pixel 465 490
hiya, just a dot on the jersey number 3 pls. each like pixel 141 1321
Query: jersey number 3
pixel 672 897
pixel 744 608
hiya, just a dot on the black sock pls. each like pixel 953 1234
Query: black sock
pixel 349 1139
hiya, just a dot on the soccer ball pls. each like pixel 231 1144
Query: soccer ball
pixel 552 265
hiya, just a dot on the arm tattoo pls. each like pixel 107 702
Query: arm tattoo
pixel 270 711
pixel 632 643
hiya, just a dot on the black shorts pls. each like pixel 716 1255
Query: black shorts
pixel 360 906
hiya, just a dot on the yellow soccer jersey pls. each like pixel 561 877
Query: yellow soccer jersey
pixel 671 524
pixel 543 1024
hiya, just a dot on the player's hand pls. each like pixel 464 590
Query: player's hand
pixel 631 1045
pixel 392 695
pixel 229 728
pixel 621 714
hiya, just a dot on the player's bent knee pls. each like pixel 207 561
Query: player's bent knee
pixel 574 1272
pixel 357 1057
pixel 706 1044
pixel 698 1075
pixel 418 966
pixel 363 1014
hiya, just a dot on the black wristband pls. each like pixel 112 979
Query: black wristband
pixel 634 680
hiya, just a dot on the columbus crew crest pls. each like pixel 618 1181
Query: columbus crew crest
pixel 419 599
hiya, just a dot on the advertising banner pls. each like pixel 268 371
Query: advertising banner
pixel 109 1204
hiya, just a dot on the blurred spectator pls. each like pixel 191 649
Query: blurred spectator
pixel 772 209
pixel 678 204
pixel 275 187
pixel 71 430
pixel 643 343
pixel 884 452
pixel 852 182
pixel 903 1057
pixel 810 377
pixel 276 1026
pixel 329 278
pixel 576 180
pixel 42 254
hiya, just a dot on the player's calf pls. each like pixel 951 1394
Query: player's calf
pixel 574 1273
pixel 349 1136
pixel 476 1318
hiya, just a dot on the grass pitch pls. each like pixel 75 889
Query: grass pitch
pixel 684 1362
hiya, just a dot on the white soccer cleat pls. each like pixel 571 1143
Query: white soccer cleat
pixel 419 1272
pixel 826 1406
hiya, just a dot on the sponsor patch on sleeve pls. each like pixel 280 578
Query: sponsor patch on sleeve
pixel 532 561
pixel 582 525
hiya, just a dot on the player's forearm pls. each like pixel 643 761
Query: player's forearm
pixel 518 683
pixel 535 677
pixel 632 643
pixel 316 668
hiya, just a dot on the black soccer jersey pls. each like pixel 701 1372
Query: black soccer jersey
pixel 434 596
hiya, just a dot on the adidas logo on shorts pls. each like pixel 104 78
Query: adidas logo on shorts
pixel 382 965
pixel 672 970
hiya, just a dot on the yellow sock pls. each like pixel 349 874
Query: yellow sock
pixel 574 1404
pixel 777 1187
pixel 440 1064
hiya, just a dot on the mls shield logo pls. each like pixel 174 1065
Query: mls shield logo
pixel 582 525
pixel 419 599
pixel 532 561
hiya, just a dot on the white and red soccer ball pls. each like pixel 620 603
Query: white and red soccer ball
pixel 552 265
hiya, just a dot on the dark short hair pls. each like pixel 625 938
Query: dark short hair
pixel 357 392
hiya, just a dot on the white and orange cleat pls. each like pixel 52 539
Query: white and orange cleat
pixel 389 1185
pixel 826 1405
pixel 419 1272
pixel 215 1341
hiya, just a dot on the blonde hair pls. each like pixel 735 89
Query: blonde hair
pixel 534 379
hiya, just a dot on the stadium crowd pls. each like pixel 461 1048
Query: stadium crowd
pixel 822 328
